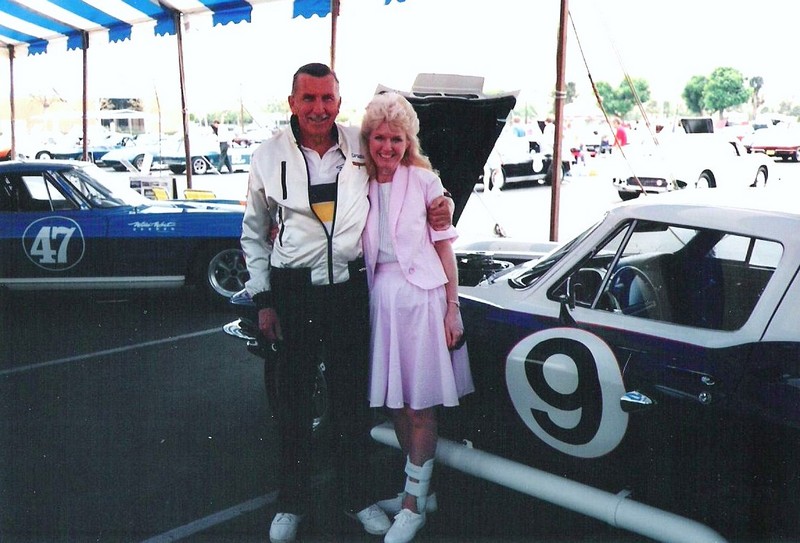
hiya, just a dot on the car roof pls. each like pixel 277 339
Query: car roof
pixel 765 212
pixel 39 165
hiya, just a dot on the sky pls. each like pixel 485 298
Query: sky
pixel 511 43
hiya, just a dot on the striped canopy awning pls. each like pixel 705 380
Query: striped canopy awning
pixel 34 23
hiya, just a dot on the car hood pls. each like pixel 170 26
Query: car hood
pixel 459 126
pixel 192 206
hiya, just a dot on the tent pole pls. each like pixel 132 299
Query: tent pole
pixel 560 96
pixel 11 101
pixel 184 110
pixel 334 20
pixel 84 113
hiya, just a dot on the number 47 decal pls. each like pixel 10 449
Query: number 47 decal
pixel 54 243
pixel 47 237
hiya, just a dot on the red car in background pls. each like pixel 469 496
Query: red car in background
pixel 781 141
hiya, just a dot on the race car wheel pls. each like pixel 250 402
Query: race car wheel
pixel 199 165
pixel 44 155
pixel 221 272
pixel 138 161
pixel 761 177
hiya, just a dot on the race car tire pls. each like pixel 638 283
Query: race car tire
pixel 220 272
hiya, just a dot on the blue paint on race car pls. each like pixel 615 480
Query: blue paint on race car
pixel 65 226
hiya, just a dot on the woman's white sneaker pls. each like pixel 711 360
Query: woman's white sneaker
pixel 405 527
pixel 374 520
pixel 284 528
pixel 392 506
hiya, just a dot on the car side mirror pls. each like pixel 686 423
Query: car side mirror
pixel 567 302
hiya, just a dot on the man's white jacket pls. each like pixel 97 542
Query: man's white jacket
pixel 278 194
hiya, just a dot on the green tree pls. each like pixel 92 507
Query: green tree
pixel 693 94
pixel 725 88
pixel 620 101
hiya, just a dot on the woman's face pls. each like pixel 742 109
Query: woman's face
pixel 387 147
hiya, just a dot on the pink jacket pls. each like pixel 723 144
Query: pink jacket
pixel 413 189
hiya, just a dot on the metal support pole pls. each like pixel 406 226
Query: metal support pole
pixel 560 95
pixel 11 101
pixel 184 110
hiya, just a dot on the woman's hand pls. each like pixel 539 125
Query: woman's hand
pixel 453 327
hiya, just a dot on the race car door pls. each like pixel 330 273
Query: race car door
pixel 47 238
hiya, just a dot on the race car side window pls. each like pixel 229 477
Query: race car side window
pixel 689 276
pixel 39 194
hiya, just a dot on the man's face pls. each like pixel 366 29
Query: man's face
pixel 315 102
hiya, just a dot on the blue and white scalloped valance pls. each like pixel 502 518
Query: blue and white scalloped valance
pixel 36 22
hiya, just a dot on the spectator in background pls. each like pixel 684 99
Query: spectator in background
pixel 620 134
pixel 224 140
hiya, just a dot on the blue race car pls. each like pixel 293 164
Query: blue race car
pixel 63 225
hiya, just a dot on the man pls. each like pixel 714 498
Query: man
pixel 224 141
pixel 309 183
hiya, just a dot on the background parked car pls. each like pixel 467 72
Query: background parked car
pixel 136 151
pixel 781 141
pixel 205 155
pixel 688 160
pixel 72 149
pixel 517 159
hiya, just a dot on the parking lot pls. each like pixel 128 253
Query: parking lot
pixel 131 416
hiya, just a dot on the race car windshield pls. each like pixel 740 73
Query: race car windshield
pixel 531 275
pixel 102 190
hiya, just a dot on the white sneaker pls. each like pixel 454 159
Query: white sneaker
pixel 284 528
pixel 392 506
pixel 405 527
pixel 374 520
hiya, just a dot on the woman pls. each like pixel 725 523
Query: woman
pixel 418 360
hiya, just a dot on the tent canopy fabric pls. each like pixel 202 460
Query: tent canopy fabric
pixel 34 23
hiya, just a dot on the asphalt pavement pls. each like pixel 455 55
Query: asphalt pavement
pixel 133 417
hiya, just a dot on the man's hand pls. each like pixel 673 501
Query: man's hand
pixel 269 325
pixel 440 213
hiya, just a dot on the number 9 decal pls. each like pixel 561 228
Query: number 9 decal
pixel 565 384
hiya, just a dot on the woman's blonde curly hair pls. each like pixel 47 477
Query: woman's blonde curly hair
pixel 394 109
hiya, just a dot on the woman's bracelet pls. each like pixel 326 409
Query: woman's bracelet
pixel 454 302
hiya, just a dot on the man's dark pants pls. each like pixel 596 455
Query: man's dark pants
pixel 336 317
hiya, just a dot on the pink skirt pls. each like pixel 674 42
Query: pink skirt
pixel 410 362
